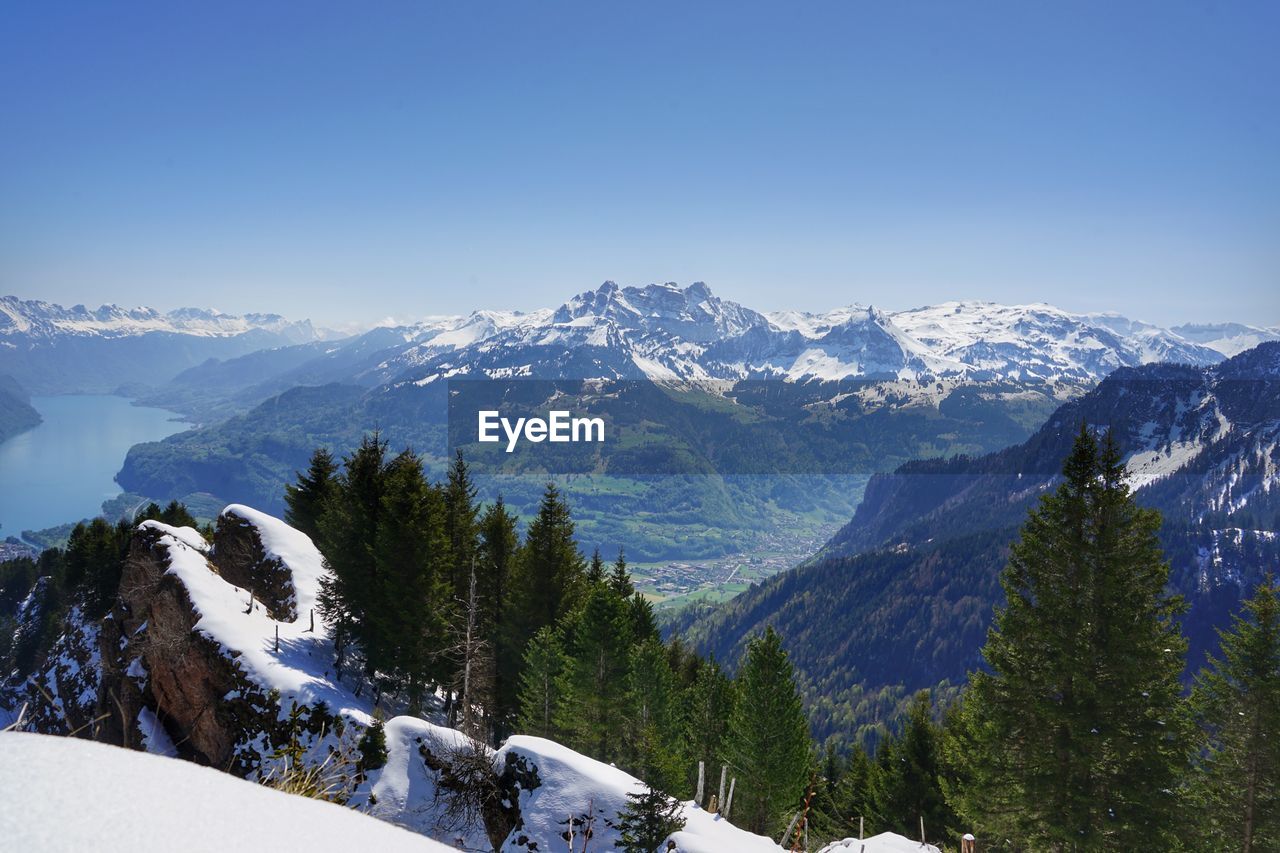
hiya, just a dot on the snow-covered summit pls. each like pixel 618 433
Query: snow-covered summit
pixel 35 318
pixel 664 331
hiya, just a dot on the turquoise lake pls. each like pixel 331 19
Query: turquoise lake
pixel 63 469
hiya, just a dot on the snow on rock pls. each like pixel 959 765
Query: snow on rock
pixel 79 795
pixel 885 842
pixel 409 791
pixel 301 670
pixel 557 785
pixel 1149 466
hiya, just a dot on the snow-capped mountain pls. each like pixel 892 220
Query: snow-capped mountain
pixel 34 320
pixel 658 331
pixel 1227 338
pixel 50 349
pixel 663 331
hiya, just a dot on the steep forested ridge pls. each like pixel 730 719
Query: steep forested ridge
pixel 16 412
pixel 901 597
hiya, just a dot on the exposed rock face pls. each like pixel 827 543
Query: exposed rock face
pixel 187 674
pixel 240 559
pixel 148 655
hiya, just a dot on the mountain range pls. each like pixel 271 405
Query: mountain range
pixel 50 349
pixel 659 331
pixel 852 390
pixel 662 331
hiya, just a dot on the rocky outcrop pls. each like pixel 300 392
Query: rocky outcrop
pixel 241 559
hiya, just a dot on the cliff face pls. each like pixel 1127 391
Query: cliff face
pixel 145 677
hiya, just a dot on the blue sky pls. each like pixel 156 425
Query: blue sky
pixel 354 161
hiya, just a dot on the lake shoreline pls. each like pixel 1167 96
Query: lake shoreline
pixel 63 469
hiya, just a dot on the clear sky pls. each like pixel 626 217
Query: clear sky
pixel 352 161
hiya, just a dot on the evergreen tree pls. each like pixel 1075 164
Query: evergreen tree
pixel 348 533
pixel 1237 699
pixel 708 706
pixel 643 622
pixel 548 577
pixel 95 558
pixel 906 785
pixel 495 566
pixel 407 625
pixel 769 739
pixel 620 578
pixel 842 805
pixel 460 524
pixel 597 639
pixel 305 501
pixel 542 685
pixel 1078 734
pixel 595 570
pixel 650 818
pixel 651 730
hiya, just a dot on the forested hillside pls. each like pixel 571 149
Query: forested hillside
pixel 901 598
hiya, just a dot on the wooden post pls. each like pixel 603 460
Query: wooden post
pixel 723 772
pixel 702 773
pixel 277 638
pixel 861 835
pixel 922 829
pixel 250 610
pixel 791 828
pixel 312 629
pixel 728 804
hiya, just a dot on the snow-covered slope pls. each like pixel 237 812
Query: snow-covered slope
pixel 209 671
pixel 68 794
pixel 592 793
pixel 885 842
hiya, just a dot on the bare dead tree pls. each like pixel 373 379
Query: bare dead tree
pixel 474 679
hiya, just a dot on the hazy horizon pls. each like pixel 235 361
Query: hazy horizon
pixel 431 159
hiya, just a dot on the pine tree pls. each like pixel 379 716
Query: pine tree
pixel 595 571
pixel 620 578
pixel 905 787
pixel 408 621
pixel 651 729
pixel 542 685
pixel 460 523
pixel 842 806
pixel 549 575
pixel 495 566
pixel 1237 699
pixel 708 706
pixel 769 739
pixel 305 501
pixel 597 639
pixel 348 533
pixel 1078 735
pixel 650 818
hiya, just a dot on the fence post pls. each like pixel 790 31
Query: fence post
pixel 702 772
